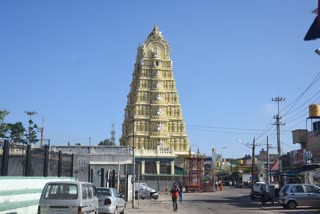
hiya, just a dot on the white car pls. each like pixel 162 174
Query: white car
pixel 110 200
pixel 64 197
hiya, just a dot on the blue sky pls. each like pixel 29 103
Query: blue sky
pixel 72 63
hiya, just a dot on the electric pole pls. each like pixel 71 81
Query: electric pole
pixel 253 147
pixel 268 164
pixel 253 161
pixel 278 123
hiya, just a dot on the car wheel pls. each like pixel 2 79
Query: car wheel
pixel 291 205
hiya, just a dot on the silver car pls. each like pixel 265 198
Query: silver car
pixel 110 201
pixel 66 197
pixel 293 195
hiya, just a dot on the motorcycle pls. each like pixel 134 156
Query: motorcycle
pixel 265 198
pixel 154 195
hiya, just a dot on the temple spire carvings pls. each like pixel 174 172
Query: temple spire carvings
pixel 153 114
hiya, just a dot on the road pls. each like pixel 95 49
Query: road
pixel 229 201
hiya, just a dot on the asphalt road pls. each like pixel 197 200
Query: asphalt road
pixel 229 201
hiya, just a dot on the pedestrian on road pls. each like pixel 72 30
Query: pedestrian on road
pixel 180 192
pixel 174 194
pixel 221 185
pixel 216 185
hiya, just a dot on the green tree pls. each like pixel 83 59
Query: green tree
pixel 31 134
pixel 3 126
pixel 106 142
pixel 16 132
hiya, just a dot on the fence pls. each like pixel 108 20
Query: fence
pixel 23 160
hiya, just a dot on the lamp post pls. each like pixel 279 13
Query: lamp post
pixel 133 163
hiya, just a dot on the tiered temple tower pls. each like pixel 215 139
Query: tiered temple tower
pixel 153 115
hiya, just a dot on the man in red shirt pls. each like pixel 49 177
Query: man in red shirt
pixel 174 193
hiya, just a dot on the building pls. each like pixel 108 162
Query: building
pixel 153 122
pixel 88 160
pixel 310 140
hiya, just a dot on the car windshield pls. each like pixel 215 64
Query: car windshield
pixel 61 191
pixel 103 192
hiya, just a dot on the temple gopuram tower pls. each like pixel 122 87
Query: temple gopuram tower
pixel 153 118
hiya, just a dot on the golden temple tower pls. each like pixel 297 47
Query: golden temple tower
pixel 153 116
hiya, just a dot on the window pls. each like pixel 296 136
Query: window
pixel 311 189
pixel 61 191
pixel 297 188
pixel 84 192
pixel 90 192
pixel 104 192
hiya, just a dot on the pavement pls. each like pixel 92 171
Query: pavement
pixel 162 205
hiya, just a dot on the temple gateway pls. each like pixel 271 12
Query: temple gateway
pixel 153 122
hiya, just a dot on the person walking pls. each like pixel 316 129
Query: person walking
pixel 180 192
pixel 174 194
pixel 216 185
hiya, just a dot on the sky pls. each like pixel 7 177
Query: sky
pixel 71 61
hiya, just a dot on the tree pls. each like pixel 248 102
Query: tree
pixel 16 132
pixel 3 126
pixel 31 135
pixel 106 142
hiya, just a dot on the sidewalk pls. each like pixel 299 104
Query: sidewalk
pixel 162 205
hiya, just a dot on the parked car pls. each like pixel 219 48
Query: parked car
pixel 64 197
pixel 110 200
pixel 293 195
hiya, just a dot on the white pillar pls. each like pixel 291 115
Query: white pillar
pixel 172 167
pixel 143 167
pixel 158 167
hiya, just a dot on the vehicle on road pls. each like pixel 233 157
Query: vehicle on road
pixel 110 201
pixel 293 195
pixel 258 189
pixel 60 197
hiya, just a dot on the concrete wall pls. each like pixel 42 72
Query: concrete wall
pixel 22 194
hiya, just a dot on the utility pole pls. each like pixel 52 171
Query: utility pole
pixel 253 147
pixel 268 162
pixel 253 161
pixel 278 123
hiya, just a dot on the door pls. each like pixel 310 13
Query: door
pixel 313 194
pixel 298 194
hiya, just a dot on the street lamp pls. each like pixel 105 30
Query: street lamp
pixel 133 163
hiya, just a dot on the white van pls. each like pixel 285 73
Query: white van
pixel 64 197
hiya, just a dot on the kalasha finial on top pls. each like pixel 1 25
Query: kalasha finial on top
pixel 156 28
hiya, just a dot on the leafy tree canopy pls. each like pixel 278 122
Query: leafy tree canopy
pixel 15 132
pixel 106 142
pixel 3 126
